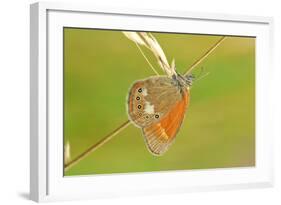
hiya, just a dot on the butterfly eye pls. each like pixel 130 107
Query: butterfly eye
pixel 139 106
pixel 137 98
pixel 139 90
pixel 156 116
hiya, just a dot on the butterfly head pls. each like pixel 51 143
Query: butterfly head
pixel 184 81
pixel 189 79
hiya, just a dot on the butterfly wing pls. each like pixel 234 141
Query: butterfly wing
pixel 160 135
pixel 157 105
pixel 150 99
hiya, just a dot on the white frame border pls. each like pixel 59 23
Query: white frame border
pixel 39 90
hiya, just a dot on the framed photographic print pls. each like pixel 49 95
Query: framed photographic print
pixel 128 102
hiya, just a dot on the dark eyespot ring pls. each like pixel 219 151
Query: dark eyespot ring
pixel 139 106
pixel 139 90
pixel 138 98
pixel 146 117
pixel 156 116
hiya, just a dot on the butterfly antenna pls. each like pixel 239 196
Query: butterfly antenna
pixel 201 77
pixel 147 60
pixel 201 72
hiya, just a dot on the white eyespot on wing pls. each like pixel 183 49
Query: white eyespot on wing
pixel 144 92
pixel 148 108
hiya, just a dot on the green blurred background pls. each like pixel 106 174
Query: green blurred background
pixel 219 126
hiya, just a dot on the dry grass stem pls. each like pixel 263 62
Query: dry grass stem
pixel 96 145
pixel 205 55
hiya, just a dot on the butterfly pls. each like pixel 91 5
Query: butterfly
pixel 157 104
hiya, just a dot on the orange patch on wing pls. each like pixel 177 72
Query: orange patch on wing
pixel 172 121
pixel 160 135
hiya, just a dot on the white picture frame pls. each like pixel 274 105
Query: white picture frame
pixel 47 182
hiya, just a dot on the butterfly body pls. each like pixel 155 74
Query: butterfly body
pixel 157 105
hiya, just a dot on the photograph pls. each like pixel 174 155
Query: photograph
pixel 150 101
